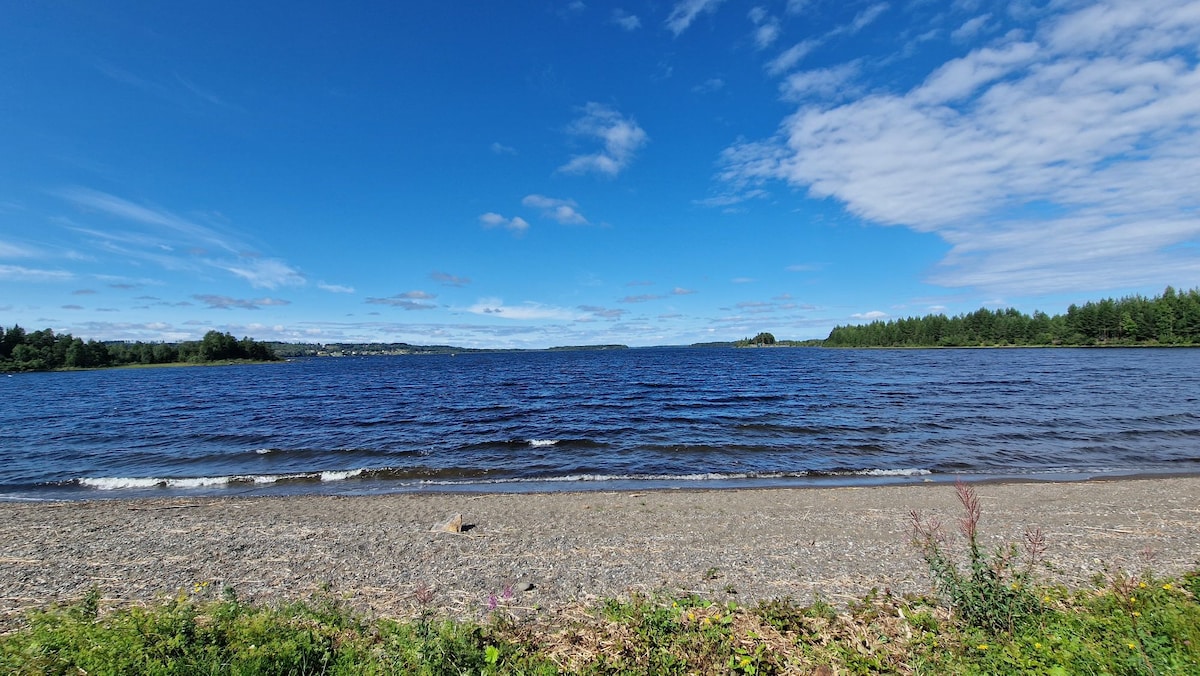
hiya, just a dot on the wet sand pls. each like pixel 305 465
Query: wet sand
pixel 376 552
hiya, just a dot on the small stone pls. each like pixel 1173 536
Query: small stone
pixel 523 586
pixel 452 525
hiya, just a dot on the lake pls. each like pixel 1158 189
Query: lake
pixel 583 420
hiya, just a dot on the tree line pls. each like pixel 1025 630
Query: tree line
pixel 1172 318
pixel 45 350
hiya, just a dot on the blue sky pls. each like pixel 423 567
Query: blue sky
pixel 532 174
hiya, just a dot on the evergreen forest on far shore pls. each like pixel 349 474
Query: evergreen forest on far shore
pixel 1172 318
pixel 45 350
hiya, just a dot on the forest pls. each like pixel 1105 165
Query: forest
pixel 45 350
pixel 1172 318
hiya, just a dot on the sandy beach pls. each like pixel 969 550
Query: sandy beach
pixel 557 549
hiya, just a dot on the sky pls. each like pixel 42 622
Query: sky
pixel 535 174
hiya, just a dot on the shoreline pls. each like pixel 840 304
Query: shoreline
pixel 374 552
pixel 247 486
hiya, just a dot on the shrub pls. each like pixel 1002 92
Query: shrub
pixel 992 592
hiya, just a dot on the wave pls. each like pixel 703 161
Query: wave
pixel 539 443
pixel 184 483
pixel 401 478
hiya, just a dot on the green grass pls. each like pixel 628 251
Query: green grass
pixel 1123 625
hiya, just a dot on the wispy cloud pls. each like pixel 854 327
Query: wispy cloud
pixel 603 312
pixel 565 211
pixel 262 273
pixel 620 136
pixel 175 242
pixel 177 89
pixel 869 316
pixel 501 149
pixel 766 27
pixel 8 250
pixel 712 84
pixel 862 19
pixel 495 307
pixel 625 20
pixel 641 298
pixel 215 302
pixel 16 273
pixel 1061 161
pixel 409 300
pixel 832 83
pixel 447 279
pixel 685 12
pixel 516 224
pixel 123 209
pixel 335 288
pixel 970 28
pixel 680 291
pixel 791 56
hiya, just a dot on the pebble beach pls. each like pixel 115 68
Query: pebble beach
pixel 548 552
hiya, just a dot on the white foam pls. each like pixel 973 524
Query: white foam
pixel 117 483
pixel 272 478
pixel 894 472
pixel 340 476
pixel 198 482
pixel 264 451
pixel 538 443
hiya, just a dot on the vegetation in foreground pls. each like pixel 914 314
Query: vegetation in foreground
pixel 991 617
pixel 45 350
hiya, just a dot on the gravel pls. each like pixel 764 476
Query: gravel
pixel 545 553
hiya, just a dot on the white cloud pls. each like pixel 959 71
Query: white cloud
pixel 685 12
pixel 262 273
pixel 226 303
pixel 869 316
pixel 714 84
pixel 16 273
pixel 516 224
pixel 1063 162
pixel 501 149
pixel 791 56
pixel 563 211
pixel 174 242
pixel 680 291
pixel 626 20
pixel 621 137
pixel 409 300
pixel 865 18
pixel 826 83
pixel 335 288
pixel 8 250
pixel 766 27
pixel 94 200
pixel 495 307
pixel 447 279
pixel 797 6
pixel 603 312
pixel 970 28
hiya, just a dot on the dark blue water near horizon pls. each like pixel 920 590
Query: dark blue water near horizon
pixel 620 419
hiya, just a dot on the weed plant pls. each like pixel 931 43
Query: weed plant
pixel 991 592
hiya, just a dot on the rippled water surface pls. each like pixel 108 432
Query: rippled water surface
pixel 600 419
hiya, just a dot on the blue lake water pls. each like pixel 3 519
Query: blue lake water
pixel 623 419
